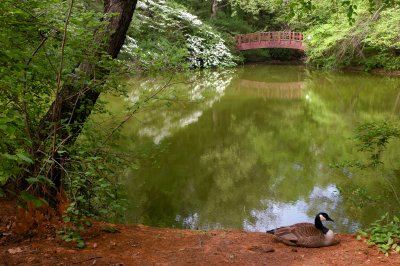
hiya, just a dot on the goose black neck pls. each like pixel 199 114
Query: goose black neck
pixel 320 226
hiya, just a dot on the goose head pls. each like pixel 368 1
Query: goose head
pixel 322 216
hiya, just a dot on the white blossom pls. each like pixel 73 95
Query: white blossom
pixel 205 47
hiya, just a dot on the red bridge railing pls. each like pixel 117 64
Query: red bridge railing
pixel 270 39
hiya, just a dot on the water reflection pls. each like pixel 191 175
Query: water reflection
pixel 206 88
pixel 252 148
pixel 271 90
pixel 303 210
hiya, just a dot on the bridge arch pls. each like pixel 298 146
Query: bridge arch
pixel 270 39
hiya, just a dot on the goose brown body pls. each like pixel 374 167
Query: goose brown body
pixel 306 234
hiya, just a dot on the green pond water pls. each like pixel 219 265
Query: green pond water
pixel 253 148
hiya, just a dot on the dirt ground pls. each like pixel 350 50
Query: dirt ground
pixel 143 245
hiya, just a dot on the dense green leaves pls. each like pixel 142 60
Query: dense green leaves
pixel 32 43
pixel 371 40
pixel 384 233
pixel 12 143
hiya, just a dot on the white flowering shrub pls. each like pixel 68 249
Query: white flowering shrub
pixel 205 53
pixel 165 36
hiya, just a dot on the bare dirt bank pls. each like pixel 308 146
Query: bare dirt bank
pixel 143 245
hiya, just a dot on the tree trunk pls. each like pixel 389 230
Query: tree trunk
pixel 214 8
pixel 72 97
pixel 73 103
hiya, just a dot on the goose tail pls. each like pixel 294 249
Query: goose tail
pixel 272 231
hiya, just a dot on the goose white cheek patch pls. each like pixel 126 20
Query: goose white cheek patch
pixel 322 218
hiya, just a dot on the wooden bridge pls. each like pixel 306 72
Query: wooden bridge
pixel 270 39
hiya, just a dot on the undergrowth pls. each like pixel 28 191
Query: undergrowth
pixel 370 41
pixel 383 233
pixel 373 139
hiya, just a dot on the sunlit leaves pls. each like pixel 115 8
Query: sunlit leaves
pixel 384 34
pixel 370 41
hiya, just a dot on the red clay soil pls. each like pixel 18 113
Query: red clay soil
pixel 142 245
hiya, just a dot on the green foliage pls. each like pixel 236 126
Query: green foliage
pixel 370 40
pixel 338 33
pixel 155 55
pixel 384 34
pixel 373 138
pixel 74 224
pixel 383 233
pixel 28 197
pixel 12 143
pixel 92 188
pixel 30 39
pixel 30 63
pixel 257 55
pixel 359 197
pixel 91 184
pixel 255 6
pixel 232 24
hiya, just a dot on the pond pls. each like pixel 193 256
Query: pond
pixel 254 148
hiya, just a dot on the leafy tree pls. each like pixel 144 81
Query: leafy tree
pixel 60 52
pixel 368 41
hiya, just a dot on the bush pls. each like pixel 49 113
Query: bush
pixel 371 41
pixel 196 44
pixel 383 233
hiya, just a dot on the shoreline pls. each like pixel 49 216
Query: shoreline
pixel 136 244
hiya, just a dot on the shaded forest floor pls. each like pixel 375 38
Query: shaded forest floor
pixel 142 245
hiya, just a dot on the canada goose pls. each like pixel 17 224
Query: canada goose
pixel 306 234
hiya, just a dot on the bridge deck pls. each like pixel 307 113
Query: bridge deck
pixel 271 39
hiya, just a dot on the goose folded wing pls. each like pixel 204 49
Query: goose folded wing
pixel 287 234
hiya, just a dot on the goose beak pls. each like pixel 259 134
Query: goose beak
pixel 329 219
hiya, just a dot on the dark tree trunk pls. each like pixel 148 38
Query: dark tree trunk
pixel 73 103
pixel 72 97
